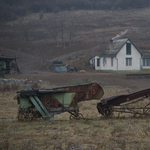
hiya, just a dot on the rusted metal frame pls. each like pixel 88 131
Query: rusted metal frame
pixel 133 112
pixel 146 110
pixel 116 101
pixel 69 87
pixel 126 103
pixel 130 110
pixel 88 92
pixel 139 94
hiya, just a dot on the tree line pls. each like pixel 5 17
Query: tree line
pixel 12 9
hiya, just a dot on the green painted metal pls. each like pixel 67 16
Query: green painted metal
pixel 37 106
pixel 42 106
pixel 35 100
pixel 64 98
pixel 24 103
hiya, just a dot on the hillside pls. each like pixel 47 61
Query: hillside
pixel 37 39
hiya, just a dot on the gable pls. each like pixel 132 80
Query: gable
pixel 129 41
pixel 116 47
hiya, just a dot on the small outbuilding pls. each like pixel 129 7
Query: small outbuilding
pixel 8 65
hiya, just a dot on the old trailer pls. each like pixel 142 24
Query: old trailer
pixel 126 104
pixel 45 103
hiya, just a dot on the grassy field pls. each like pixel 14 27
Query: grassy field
pixel 92 133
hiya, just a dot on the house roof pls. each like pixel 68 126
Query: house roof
pixel 117 45
pixel 145 54
pixel 4 58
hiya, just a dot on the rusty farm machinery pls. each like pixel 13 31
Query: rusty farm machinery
pixel 45 103
pixel 132 103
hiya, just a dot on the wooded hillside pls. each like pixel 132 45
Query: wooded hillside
pixel 12 9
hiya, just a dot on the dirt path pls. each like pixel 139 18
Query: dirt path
pixel 104 79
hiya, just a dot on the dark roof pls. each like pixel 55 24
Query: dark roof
pixel 145 54
pixel 117 45
pixel 4 58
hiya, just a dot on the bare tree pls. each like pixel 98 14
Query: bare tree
pixel 57 27
pixel 25 29
pixel 72 30
pixel 62 30
pixel 54 26
pixel 60 27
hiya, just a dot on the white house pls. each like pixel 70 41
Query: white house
pixel 119 56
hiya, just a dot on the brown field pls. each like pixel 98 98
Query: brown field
pixel 94 29
pixel 92 133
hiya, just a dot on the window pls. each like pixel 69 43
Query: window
pixel 146 62
pixel 128 48
pixel 112 63
pixel 104 61
pixel 98 63
pixel 93 60
pixel 128 61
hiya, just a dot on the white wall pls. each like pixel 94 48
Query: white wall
pixel 136 59
pixel 145 67
pixel 94 60
pixel 106 63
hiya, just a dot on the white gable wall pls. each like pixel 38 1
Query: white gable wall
pixel 106 63
pixel 135 56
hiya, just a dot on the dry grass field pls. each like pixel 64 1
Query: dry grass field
pixel 92 133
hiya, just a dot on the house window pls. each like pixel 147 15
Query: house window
pixel 128 61
pixel 98 63
pixel 128 48
pixel 104 61
pixel 93 60
pixel 112 63
pixel 146 62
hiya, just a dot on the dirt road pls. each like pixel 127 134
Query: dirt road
pixel 110 79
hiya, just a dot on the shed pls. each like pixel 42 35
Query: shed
pixel 8 64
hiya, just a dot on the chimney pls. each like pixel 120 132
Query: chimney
pixel 111 44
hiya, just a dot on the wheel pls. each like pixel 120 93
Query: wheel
pixel 76 116
pixel 20 116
